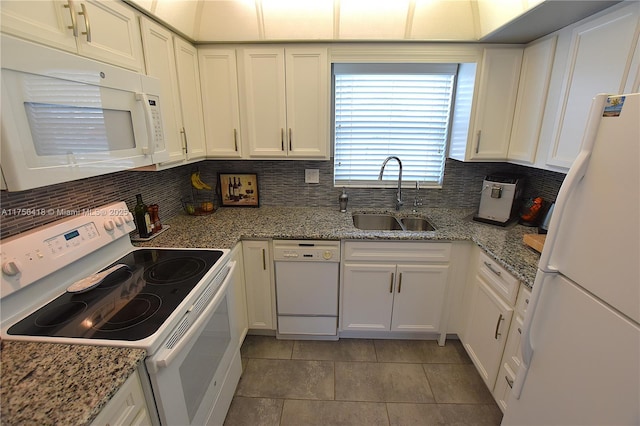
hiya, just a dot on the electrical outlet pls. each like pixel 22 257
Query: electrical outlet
pixel 311 175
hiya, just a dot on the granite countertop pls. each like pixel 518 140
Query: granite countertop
pixel 225 227
pixel 55 384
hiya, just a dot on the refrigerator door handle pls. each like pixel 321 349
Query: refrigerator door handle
pixel 573 178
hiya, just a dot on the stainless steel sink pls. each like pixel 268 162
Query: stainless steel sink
pixel 376 222
pixel 387 222
pixel 417 224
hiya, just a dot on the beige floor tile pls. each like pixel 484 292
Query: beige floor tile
pixel 275 378
pixel 421 351
pixel 381 382
pixel 333 413
pixel 254 412
pixel 400 350
pixel 266 347
pixel 457 383
pixel 339 350
pixel 443 414
pixel 451 353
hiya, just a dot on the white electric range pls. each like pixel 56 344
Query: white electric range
pixel 175 303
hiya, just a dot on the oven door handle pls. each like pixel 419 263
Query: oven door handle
pixel 165 354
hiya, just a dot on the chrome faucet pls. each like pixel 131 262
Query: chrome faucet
pixel 399 193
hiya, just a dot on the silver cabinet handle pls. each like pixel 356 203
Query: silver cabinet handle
pixel 496 335
pixel 282 139
pixel 185 144
pixel 399 282
pixel 391 282
pixel 264 260
pixel 235 139
pixel 509 381
pixel 490 266
pixel 290 142
pixel 74 22
pixel 478 141
pixel 87 23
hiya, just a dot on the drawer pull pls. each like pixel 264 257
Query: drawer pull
pixel 509 381
pixel 235 139
pixel 490 266
pixel 264 260
pixel 399 282
pixel 391 283
pixel 496 335
pixel 281 139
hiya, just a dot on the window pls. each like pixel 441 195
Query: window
pixel 391 109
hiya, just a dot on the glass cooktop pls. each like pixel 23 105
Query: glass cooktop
pixel 130 304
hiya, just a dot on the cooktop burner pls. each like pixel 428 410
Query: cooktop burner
pixel 130 304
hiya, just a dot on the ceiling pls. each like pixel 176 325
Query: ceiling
pixel 495 21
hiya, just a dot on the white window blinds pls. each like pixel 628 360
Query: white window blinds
pixel 391 109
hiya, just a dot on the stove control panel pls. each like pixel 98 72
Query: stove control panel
pixel 33 255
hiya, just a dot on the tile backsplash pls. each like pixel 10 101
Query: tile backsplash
pixel 280 182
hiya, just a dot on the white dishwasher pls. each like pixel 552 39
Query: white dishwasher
pixel 307 275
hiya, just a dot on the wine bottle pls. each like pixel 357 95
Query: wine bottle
pixel 230 191
pixel 143 220
pixel 239 189
pixel 235 190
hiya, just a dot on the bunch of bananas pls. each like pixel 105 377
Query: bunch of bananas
pixel 197 183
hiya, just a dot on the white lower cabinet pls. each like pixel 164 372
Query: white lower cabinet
pixel 127 407
pixel 512 356
pixel 380 295
pixel 492 293
pixel 239 294
pixel 258 274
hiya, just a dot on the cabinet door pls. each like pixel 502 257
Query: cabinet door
pixel 307 85
pixel 599 62
pixel 45 22
pixel 419 297
pixel 160 62
pixel 257 272
pixel 486 331
pixel 112 33
pixel 241 323
pixel 264 106
pixel 190 99
pixel 367 296
pixel 496 99
pixel 532 97
pixel 219 79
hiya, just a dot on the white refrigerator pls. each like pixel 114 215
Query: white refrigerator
pixel 581 336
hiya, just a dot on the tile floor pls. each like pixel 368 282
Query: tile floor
pixel 359 382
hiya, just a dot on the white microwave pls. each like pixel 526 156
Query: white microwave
pixel 65 117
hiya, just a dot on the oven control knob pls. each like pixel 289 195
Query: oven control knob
pixel 128 218
pixel 328 254
pixel 119 221
pixel 109 225
pixel 11 267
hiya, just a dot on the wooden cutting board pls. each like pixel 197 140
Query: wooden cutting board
pixel 535 241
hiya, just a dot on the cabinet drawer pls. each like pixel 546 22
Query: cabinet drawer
pixel 524 295
pixel 397 251
pixel 498 278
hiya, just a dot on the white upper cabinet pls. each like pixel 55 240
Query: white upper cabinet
pixel 532 96
pixel 107 31
pixel 600 59
pixel 160 62
pixel 175 63
pixel 190 99
pixel 220 103
pixel 485 101
pixel 285 102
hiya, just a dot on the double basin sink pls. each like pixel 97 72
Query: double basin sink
pixel 387 222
